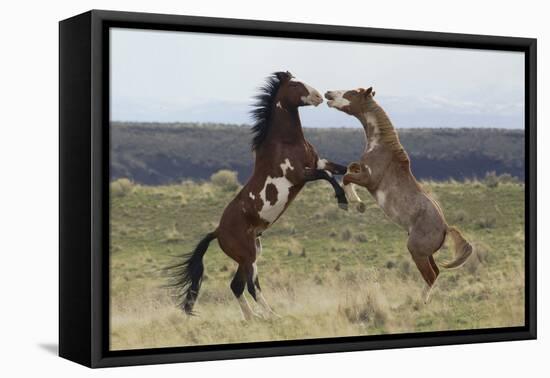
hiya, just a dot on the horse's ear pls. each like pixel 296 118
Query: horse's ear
pixel 284 76
pixel 368 92
pixel 373 93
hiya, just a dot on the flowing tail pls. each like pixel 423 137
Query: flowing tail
pixel 187 275
pixel 463 249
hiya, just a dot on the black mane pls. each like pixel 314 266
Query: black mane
pixel 261 114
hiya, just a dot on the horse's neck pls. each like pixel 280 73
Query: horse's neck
pixel 285 127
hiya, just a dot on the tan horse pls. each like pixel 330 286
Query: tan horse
pixel 385 171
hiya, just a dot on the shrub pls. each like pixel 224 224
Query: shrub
pixel 460 216
pixel 491 180
pixel 329 213
pixel 486 222
pixel 369 309
pixel 121 187
pixel 182 200
pixel 507 178
pixel 346 234
pixel 172 235
pixel 482 252
pixel 405 267
pixel 115 248
pixel 361 238
pixel 225 179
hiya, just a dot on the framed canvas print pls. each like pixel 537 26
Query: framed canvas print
pixel 234 188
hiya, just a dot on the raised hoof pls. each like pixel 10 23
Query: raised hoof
pixel 361 207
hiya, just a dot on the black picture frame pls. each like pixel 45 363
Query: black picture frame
pixel 84 187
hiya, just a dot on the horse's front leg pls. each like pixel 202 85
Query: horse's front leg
pixel 349 189
pixel 333 168
pixel 321 174
pixel 355 174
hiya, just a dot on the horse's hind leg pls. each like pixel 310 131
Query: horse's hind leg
pixel 239 245
pixel 259 296
pixel 434 266
pixel 424 265
pixel 237 286
pixel 253 283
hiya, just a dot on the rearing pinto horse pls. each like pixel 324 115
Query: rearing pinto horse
pixel 385 171
pixel 284 162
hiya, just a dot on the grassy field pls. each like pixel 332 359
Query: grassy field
pixel 325 271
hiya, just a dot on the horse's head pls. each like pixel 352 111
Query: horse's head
pixel 293 93
pixel 353 102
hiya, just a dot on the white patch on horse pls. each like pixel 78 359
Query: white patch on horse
pixel 373 140
pixel 254 272
pixel 258 247
pixel 252 195
pixel 380 198
pixel 270 212
pixel 368 169
pixel 322 164
pixel 313 98
pixel 279 104
pixel 338 100
pixel 286 165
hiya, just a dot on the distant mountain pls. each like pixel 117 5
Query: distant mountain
pixel 160 153
pixel 426 112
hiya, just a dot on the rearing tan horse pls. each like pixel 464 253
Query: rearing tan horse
pixel 385 171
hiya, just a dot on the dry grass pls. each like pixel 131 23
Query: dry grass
pixel 356 277
pixel 333 304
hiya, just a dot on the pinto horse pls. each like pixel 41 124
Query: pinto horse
pixel 384 169
pixel 284 162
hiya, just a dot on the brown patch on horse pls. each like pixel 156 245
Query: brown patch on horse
pixel 271 194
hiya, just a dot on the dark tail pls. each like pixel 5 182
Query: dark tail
pixel 187 275
pixel 463 249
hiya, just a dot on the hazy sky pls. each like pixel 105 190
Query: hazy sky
pixel 191 77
